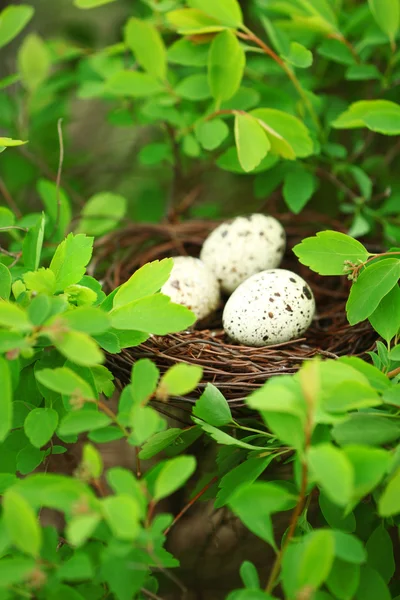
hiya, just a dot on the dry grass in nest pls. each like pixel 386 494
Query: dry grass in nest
pixel 235 370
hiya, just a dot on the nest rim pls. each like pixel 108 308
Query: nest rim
pixel 234 369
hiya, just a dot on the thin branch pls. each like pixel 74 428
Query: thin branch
pixel 150 594
pixel 336 182
pixel 58 179
pixel 190 503
pixel 249 35
pixel 9 199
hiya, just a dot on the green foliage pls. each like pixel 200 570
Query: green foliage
pixel 297 97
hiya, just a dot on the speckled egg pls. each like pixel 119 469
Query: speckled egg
pixel 242 247
pixel 270 307
pixel 193 285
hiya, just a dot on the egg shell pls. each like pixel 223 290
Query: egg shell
pixel 193 285
pixel 271 307
pixel 238 249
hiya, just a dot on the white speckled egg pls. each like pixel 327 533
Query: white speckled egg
pixel 193 285
pixel 270 307
pixel 242 247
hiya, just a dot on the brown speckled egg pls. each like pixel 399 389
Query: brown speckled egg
pixel 270 307
pixel 242 247
pixel 193 285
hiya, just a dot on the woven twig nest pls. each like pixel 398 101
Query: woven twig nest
pixel 235 370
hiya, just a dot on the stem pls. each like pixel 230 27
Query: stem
pixel 58 179
pixel 112 416
pixel 249 35
pixel 253 430
pixel 190 503
pixel 393 373
pixel 9 199
pixel 302 495
pixel 349 45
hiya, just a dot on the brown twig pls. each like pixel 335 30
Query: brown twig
pixel 9 199
pixel 309 400
pixel 250 36
pixel 190 504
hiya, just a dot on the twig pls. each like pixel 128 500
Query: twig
pixel 249 35
pixel 336 182
pixel 393 373
pixel 58 179
pixel 302 495
pixel 176 174
pixel 190 503
pixel 9 199
pixel 150 594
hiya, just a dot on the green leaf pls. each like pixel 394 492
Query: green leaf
pixel 226 63
pixel 6 142
pixel 86 4
pixel 212 407
pixel 33 62
pixel 264 499
pixel 228 161
pixel 187 53
pixel 105 435
pixel 15 571
pixel 249 575
pixel 194 87
pixel 179 380
pixel 133 84
pixel 362 73
pixel 40 309
pixel 22 524
pixel 335 516
pixel 227 12
pixel 389 502
pixel 92 462
pixel 336 51
pixel 122 481
pixel 159 442
pixel 145 422
pixel 389 305
pixel 173 475
pixel 244 474
pixel 6 403
pixel 13 316
pixel 77 568
pixel 316 559
pixel 32 245
pixel 64 381
pixel 28 459
pixel 326 252
pixel 252 143
pixel 122 514
pixel 387 15
pixel 144 380
pixel 370 466
pixel 376 378
pixel 350 395
pixel 382 116
pixel 70 260
pixel 79 348
pixel 5 282
pixel 80 528
pixel 190 21
pixel 279 39
pixel 80 421
pixel 147 280
pixel 148 47
pixel 332 470
pixel 87 319
pixel 299 56
pixel 372 586
pixel 153 314
pixel 42 281
pixel 289 128
pixel 223 438
pixel 380 553
pixel 343 580
pixel 102 213
pixel 372 285
pixel 368 429
pixel 349 548
pixel 40 425
pixel 13 19
pixel 298 189
pixel 394 354
pixel 211 134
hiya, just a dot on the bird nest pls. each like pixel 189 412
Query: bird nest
pixel 236 370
